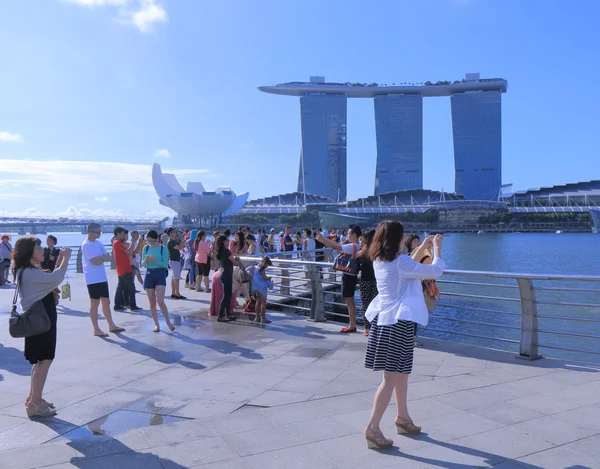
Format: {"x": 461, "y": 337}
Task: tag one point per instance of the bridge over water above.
{"x": 41, "y": 225}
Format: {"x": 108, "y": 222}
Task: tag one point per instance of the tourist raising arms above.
{"x": 176, "y": 245}
{"x": 393, "y": 315}
{"x": 35, "y": 285}
{"x": 125, "y": 293}
{"x": 348, "y": 281}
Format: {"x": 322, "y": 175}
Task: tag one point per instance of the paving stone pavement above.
{"x": 291, "y": 394}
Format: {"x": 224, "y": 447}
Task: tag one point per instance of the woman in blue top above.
{"x": 156, "y": 259}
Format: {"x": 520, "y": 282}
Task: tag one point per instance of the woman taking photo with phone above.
{"x": 394, "y": 314}
{"x": 349, "y": 282}
{"x": 34, "y": 285}
{"x": 155, "y": 257}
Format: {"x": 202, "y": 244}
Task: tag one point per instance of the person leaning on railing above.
{"x": 393, "y": 315}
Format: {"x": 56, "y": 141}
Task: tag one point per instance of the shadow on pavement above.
{"x": 13, "y": 361}
{"x": 155, "y": 353}
{"x": 116, "y": 455}
{"x": 490, "y": 458}
{"x": 221, "y": 346}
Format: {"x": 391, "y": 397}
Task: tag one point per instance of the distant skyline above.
{"x": 93, "y": 92}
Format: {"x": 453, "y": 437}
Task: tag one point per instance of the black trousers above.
{"x": 225, "y": 306}
{"x": 125, "y": 294}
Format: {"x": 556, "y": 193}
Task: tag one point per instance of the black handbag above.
{"x": 32, "y": 322}
{"x": 349, "y": 264}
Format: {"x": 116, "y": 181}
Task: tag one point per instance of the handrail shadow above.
{"x": 503, "y": 356}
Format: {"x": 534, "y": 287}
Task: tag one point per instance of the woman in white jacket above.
{"x": 394, "y": 314}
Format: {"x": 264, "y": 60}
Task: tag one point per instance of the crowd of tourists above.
{"x": 397, "y": 284}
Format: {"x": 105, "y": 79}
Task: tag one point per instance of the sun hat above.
{"x": 281, "y": 233}
{"x": 273, "y": 230}
{"x": 6, "y": 235}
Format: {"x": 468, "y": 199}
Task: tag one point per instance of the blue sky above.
{"x": 93, "y": 92}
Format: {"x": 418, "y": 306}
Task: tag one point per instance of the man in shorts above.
{"x": 94, "y": 256}
{"x": 176, "y": 247}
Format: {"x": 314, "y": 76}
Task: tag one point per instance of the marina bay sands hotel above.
{"x": 476, "y": 128}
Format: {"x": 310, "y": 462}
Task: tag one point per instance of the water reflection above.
{"x": 119, "y": 422}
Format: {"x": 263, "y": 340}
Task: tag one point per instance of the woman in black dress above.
{"x": 368, "y": 284}
{"x": 35, "y": 285}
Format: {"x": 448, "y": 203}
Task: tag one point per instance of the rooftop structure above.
{"x": 365, "y": 90}
{"x": 476, "y": 119}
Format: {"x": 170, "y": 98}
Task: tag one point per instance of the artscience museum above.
{"x": 195, "y": 204}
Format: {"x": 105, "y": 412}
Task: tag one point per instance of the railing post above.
{"x": 284, "y": 286}
{"x": 317, "y": 312}
{"x": 79, "y": 263}
{"x": 528, "y": 348}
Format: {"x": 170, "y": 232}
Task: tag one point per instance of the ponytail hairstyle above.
{"x": 221, "y": 246}
{"x": 264, "y": 263}
{"x": 199, "y": 237}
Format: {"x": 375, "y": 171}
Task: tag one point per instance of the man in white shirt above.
{"x": 94, "y": 256}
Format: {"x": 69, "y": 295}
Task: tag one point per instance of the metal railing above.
{"x": 526, "y": 313}
{"x": 76, "y": 261}
{"x": 558, "y": 315}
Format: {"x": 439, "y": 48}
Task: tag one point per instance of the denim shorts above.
{"x": 155, "y": 278}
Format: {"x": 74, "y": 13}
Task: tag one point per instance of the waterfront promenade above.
{"x": 293, "y": 394}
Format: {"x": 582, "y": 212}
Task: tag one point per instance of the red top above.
{"x": 122, "y": 258}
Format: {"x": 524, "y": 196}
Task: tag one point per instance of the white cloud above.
{"x": 101, "y": 199}
{"x": 87, "y": 212}
{"x": 161, "y": 153}
{"x": 149, "y": 14}
{"x": 8, "y": 137}
{"x": 143, "y": 14}
{"x": 84, "y": 177}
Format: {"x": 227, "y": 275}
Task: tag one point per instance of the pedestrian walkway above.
{"x": 292, "y": 394}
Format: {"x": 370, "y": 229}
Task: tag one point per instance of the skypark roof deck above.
{"x": 363, "y": 90}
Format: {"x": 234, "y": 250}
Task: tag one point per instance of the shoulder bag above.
{"x": 349, "y": 264}
{"x": 245, "y": 277}
{"x": 32, "y": 322}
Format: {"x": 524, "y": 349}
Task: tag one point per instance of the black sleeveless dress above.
{"x": 43, "y": 346}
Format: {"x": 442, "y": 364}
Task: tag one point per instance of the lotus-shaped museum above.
{"x": 195, "y": 202}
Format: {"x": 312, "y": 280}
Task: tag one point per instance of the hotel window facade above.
{"x": 399, "y": 127}
{"x": 323, "y": 157}
{"x": 477, "y": 132}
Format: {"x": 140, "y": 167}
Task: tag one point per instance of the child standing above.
{"x": 260, "y": 284}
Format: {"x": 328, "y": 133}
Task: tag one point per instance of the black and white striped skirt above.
{"x": 391, "y": 348}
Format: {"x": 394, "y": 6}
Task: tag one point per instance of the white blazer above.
{"x": 400, "y": 291}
